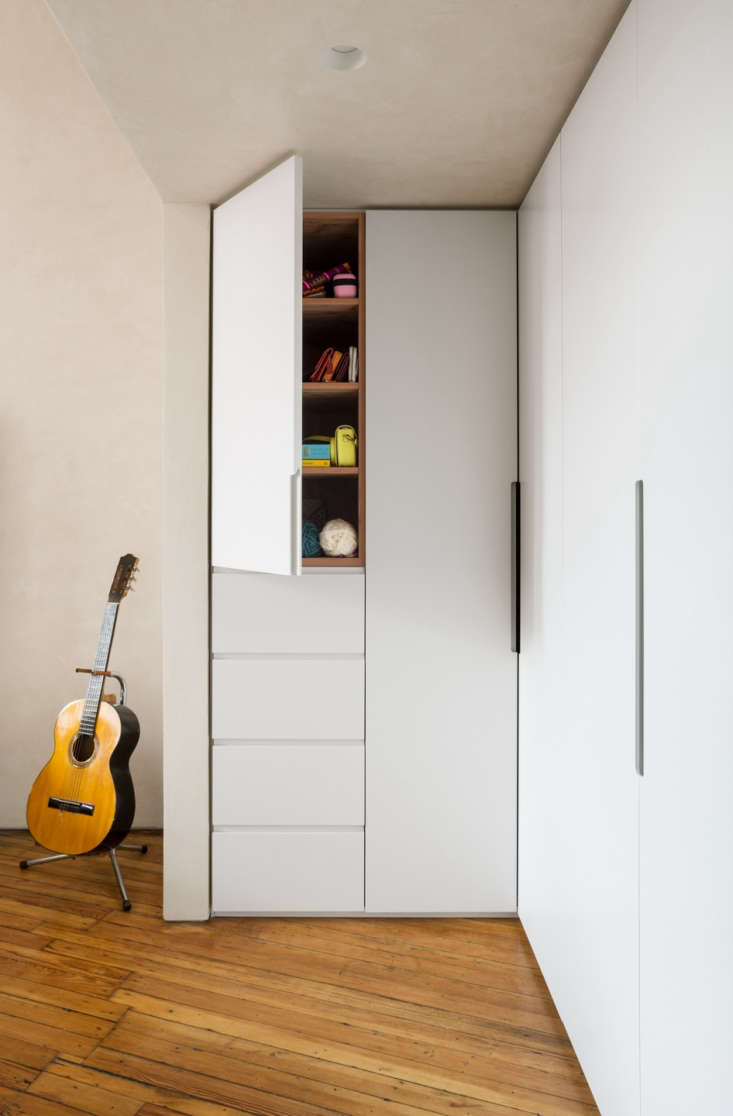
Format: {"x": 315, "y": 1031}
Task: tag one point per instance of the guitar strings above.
{"x": 92, "y": 702}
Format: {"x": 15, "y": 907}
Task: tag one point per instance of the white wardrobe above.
{"x": 626, "y": 702}
{"x": 364, "y": 714}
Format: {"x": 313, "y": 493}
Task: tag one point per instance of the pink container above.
{"x": 344, "y": 285}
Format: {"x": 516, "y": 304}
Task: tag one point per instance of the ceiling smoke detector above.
{"x": 342, "y": 57}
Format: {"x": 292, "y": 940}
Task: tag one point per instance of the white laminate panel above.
{"x": 263, "y": 613}
{"x": 287, "y": 870}
{"x": 686, "y": 365}
{"x": 580, "y": 890}
{"x": 441, "y": 676}
{"x": 288, "y": 784}
{"x": 544, "y": 769}
{"x": 256, "y": 374}
{"x": 293, "y": 698}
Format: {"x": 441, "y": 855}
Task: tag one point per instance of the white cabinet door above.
{"x": 546, "y": 886}
{"x": 441, "y": 677}
{"x": 595, "y": 975}
{"x": 579, "y": 437}
{"x": 256, "y": 375}
{"x": 686, "y": 362}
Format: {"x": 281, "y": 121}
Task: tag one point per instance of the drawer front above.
{"x": 288, "y": 699}
{"x": 288, "y": 784}
{"x": 287, "y": 870}
{"x": 260, "y": 613}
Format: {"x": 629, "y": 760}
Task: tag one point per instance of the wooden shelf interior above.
{"x": 322, "y": 333}
{"x": 316, "y": 472}
{"x": 333, "y": 563}
{"x": 323, "y": 413}
{"x": 331, "y": 239}
{"x": 329, "y": 308}
{"x": 330, "y": 391}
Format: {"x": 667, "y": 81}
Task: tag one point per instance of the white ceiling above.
{"x": 456, "y": 106}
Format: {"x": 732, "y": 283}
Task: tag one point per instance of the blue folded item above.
{"x": 316, "y": 451}
{"x": 311, "y": 543}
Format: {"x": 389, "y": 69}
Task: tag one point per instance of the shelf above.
{"x": 330, "y": 239}
{"x": 319, "y": 473}
{"x": 330, "y": 390}
{"x": 325, "y": 309}
{"x": 334, "y": 563}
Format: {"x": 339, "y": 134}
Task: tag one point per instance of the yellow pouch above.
{"x": 343, "y": 446}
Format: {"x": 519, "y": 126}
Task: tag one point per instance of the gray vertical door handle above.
{"x": 515, "y": 566}
{"x": 639, "y": 657}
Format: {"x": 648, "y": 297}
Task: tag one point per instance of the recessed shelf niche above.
{"x": 329, "y": 240}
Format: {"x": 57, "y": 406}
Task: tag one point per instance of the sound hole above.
{"x": 83, "y": 747}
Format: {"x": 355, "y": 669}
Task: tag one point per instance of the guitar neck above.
{"x": 101, "y": 659}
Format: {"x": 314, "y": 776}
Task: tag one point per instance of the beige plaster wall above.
{"x": 81, "y": 353}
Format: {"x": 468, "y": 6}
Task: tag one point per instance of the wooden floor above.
{"x": 121, "y": 1014}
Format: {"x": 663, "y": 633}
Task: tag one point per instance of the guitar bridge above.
{"x": 71, "y": 806}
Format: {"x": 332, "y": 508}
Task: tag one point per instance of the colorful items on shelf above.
{"x": 322, "y": 284}
{"x": 339, "y": 539}
{"x": 344, "y": 285}
{"x": 344, "y": 443}
{"x": 334, "y": 366}
{"x": 311, "y": 545}
{"x": 339, "y": 449}
{"x": 316, "y": 455}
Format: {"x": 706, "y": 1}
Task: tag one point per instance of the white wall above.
{"x": 81, "y": 345}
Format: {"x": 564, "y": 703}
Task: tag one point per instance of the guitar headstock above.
{"x": 124, "y": 576}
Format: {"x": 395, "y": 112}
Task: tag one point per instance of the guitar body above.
{"x": 77, "y": 804}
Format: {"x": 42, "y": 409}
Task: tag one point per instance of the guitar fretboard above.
{"x": 96, "y": 681}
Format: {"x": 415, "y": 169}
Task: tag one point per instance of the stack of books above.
{"x": 316, "y": 455}
{"x": 334, "y": 365}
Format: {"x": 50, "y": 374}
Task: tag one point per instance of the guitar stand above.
{"x": 112, "y": 853}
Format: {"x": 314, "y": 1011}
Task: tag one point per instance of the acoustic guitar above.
{"x": 83, "y": 799}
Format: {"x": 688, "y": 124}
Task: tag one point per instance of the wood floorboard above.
{"x": 392, "y": 984}
{"x": 14, "y": 1076}
{"x": 289, "y": 934}
{"x": 121, "y": 1014}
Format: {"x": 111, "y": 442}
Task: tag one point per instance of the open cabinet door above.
{"x": 256, "y": 375}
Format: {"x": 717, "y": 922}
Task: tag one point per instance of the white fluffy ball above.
{"x": 338, "y": 539}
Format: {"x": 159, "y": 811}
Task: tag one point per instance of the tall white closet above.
{"x": 364, "y": 717}
{"x": 579, "y": 445}
{"x": 626, "y": 351}
{"x": 441, "y": 678}
{"x": 686, "y": 374}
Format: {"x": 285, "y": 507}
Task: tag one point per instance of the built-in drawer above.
{"x": 288, "y": 784}
{"x": 287, "y": 870}
{"x": 275, "y": 698}
{"x": 263, "y": 613}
